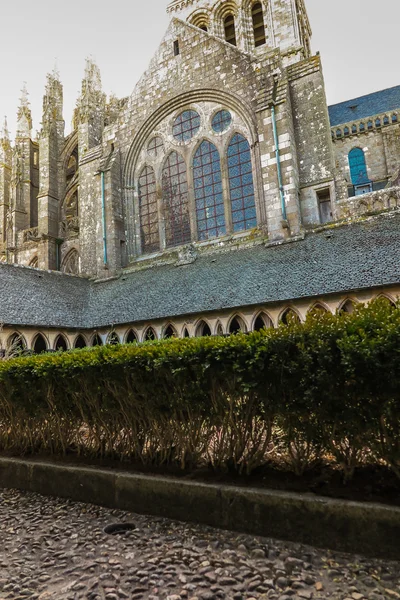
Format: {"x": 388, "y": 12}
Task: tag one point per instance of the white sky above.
{"x": 358, "y": 40}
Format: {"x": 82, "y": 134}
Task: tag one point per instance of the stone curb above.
{"x": 369, "y": 529}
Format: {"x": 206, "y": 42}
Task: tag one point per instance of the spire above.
{"x": 24, "y": 115}
{"x": 52, "y": 102}
{"x": 5, "y": 144}
{"x": 92, "y": 98}
{"x": 5, "y": 134}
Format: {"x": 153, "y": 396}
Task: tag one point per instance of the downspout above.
{"x": 103, "y": 219}
{"x": 278, "y": 157}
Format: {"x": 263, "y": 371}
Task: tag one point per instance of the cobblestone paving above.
{"x": 56, "y": 549}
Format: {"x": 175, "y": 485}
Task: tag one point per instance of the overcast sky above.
{"x": 358, "y": 40}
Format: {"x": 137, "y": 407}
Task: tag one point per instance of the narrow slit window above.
{"x": 258, "y": 24}
{"x": 230, "y": 30}
{"x": 176, "y": 48}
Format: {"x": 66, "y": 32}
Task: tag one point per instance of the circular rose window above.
{"x": 186, "y": 125}
{"x": 221, "y": 121}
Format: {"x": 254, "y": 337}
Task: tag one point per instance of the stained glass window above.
{"x": 221, "y": 121}
{"x": 155, "y": 147}
{"x": 241, "y": 184}
{"x": 148, "y": 210}
{"x": 207, "y": 181}
{"x": 186, "y": 125}
{"x": 258, "y": 24}
{"x": 175, "y": 198}
{"x": 358, "y": 167}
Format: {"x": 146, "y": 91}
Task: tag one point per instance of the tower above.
{"x": 90, "y": 118}
{"x": 253, "y": 26}
{"x": 50, "y": 145}
{"x": 5, "y": 181}
{"x": 23, "y": 185}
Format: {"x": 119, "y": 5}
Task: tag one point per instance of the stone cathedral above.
{"x": 223, "y": 194}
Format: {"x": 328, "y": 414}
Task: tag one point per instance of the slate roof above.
{"x": 334, "y": 260}
{"x": 42, "y": 298}
{"x": 365, "y": 106}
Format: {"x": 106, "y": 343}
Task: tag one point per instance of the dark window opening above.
{"x": 324, "y": 205}
{"x": 131, "y": 338}
{"x": 258, "y": 24}
{"x": 97, "y": 341}
{"x": 80, "y": 342}
{"x": 170, "y": 333}
{"x": 204, "y": 28}
{"x": 176, "y": 48}
{"x": 186, "y": 333}
{"x": 394, "y": 118}
{"x": 230, "y": 30}
{"x": 61, "y": 345}
{"x": 236, "y": 326}
{"x": 40, "y": 346}
{"x": 362, "y": 127}
{"x": 386, "y": 121}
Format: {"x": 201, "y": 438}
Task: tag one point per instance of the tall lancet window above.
{"x": 241, "y": 184}
{"x": 230, "y": 30}
{"x": 175, "y": 199}
{"x": 258, "y": 24}
{"x": 207, "y": 179}
{"x": 148, "y": 211}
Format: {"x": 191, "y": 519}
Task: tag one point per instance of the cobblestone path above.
{"x": 56, "y": 549}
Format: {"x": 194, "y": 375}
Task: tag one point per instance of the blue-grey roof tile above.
{"x": 351, "y": 257}
{"x": 365, "y": 106}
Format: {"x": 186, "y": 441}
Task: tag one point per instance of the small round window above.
{"x": 221, "y": 121}
{"x": 155, "y": 147}
{"x": 186, "y": 125}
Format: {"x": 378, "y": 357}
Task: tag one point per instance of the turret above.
{"x": 5, "y": 180}
{"x": 50, "y": 147}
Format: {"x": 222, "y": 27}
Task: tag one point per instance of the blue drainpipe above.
{"x": 103, "y": 218}
{"x": 278, "y": 163}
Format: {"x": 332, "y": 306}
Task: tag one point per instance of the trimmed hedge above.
{"x": 326, "y": 388}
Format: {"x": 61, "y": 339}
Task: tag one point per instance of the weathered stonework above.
{"x": 75, "y": 203}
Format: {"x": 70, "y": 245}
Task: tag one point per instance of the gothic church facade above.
{"x": 223, "y": 194}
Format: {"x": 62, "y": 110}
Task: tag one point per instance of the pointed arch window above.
{"x": 241, "y": 184}
{"x": 40, "y": 345}
{"x": 230, "y": 30}
{"x": 80, "y": 342}
{"x": 148, "y": 211}
{"x": 358, "y": 167}
{"x": 150, "y": 335}
{"x": 97, "y": 341}
{"x": 175, "y": 199}
{"x": 61, "y": 344}
{"x": 258, "y": 24}
{"x": 131, "y": 337}
{"x": 207, "y": 179}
